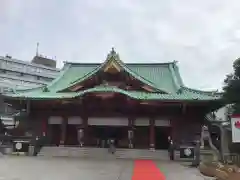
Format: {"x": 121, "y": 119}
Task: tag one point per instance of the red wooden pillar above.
{"x": 63, "y": 130}
{"x": 85, "y": 127}
{"x": 131, "y": 122}
{"x": 131, "y": 131}
{"x": 152, "y": 133}
{"x": 85, "y": 121}
{"x": 173, "y": 129}
{"x": 44, "y": 127}
{"x": 177, "y": 129}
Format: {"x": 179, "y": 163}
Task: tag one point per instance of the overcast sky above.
{"x": 203, "y": 36}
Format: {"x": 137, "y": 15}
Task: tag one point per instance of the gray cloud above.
{"x": 203, "y": 36}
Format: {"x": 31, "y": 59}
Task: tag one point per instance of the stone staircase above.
{"x": 142, "y": 154}
{"x": 84, "y": 152}
{"x": 103, "y": 153}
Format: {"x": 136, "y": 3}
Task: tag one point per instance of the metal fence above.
{"x": 231, "y": 159}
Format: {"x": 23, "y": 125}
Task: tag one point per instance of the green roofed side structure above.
{"x": 139, "y": 105}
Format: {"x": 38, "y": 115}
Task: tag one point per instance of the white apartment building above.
{"x": 18, "y": 74}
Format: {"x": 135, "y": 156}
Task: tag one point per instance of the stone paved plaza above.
{"x": 39, "y": 168}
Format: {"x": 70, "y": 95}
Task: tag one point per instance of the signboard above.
{"x": 186, "y": 152}
{"x": 21, "y": 146}
{"x": 235, "y": 123}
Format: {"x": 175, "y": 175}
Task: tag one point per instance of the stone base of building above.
{"x": 90, "y": 152}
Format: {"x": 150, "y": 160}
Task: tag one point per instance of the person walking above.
{"x": 80, "y": 136}
{"x": 112, "y": 148}
{"x": 170, "y": 148}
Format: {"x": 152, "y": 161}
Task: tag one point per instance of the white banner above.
{"x": 55, "y": 120}
{"x": 162, "y": 122}
{"x": 141, "y": 122}
{"x": 235, "y": 122}
{"x": 114, "y": 121}
{"x": 74, "y": 120}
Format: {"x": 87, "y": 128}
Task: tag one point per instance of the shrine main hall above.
{"x": 139, "y": 105}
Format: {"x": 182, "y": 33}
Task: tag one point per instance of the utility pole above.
{"x": 37, "y": 49}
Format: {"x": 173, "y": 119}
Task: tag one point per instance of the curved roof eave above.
{"x": 106, "y": 89}
{"x": 209, "y": 93}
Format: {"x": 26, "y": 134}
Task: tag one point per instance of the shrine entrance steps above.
{"x": 142, "y": 154}
{"x": 90, "y": 152}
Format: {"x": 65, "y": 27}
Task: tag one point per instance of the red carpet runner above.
{"x": 146, "y": 170}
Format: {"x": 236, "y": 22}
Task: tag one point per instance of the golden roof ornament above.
{"x": 113, "y": 51}
{"x": 113, "y": 55}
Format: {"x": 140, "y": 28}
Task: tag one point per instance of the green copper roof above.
{"x": 142, "y": 72}
{"x": 163, "y": 77}
{"x": 157, "y": 75}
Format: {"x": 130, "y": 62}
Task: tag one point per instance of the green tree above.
{"x": 232, "y": 87}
